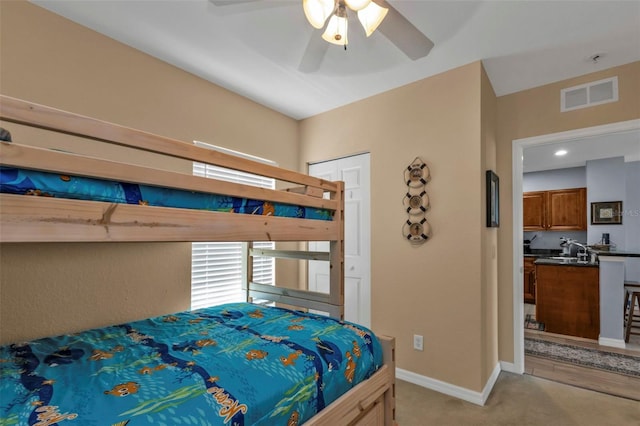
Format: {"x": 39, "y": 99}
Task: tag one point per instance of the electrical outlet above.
{"x": 417, "y": 342}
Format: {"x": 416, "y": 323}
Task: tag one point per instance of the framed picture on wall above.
{"x": 493, "y": 200}
{"x": 606, "y": 213}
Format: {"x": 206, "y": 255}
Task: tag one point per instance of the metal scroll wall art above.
{"x": 416, "y": 202}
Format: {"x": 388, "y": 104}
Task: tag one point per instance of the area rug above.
{"x": 593, "y": 358}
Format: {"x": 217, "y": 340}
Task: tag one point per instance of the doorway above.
{"x": 355, "y": 172}
{"x": 518, "y": 147}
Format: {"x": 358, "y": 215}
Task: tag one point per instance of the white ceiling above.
{"x": 254, "y": 48}
{"x": 579, "y": 151}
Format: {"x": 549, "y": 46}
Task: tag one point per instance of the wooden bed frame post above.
{"x": 389, "y": 354}
{"x": 336, "y": 262}
{"x": 247, "y": 268}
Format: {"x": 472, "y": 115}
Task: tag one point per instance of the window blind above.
{"x": 216, "y": 267}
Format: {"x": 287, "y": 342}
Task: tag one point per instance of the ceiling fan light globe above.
{"x": 371, "y": 17}
{"x": 357, "y": 4}
{"x": 317, "y": 11}
{"x": 336, "y": 32}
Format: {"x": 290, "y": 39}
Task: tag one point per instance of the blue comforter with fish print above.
{"x": 234, "y": 364}
{"x": 47, "y": 184}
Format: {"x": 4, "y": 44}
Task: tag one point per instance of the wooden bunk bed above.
{"x": 41, "y": 219}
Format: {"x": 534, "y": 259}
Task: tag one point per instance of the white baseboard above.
{"x": 510, "y": 367}
{"x": 488, "y": 387}
{"x": 615, "y": 343}
{"x": 478, "y": 398}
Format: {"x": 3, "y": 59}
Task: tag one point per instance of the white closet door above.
{"x": 355, "y": 172}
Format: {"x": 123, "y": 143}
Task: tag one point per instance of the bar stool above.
{"x": 631, "y": 298}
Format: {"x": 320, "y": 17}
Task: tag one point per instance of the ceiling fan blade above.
{"x": 231, "y": 7}
{"x": 228, "y": 2}
{"x": 404, "y": 34}
{"x": 314, "y": 53}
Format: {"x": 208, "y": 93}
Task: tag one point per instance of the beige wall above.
{"x": 434, "y": 289}
{"x": 54, "y": 288}
{"x": 489, "y": 250}
{"x": 536, "y": 112}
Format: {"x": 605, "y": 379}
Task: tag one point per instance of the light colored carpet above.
{"x": 517, "y": 400}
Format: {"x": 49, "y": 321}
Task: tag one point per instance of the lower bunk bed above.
{"x": 233, "y": 364}
{"x": 229, "y": 365}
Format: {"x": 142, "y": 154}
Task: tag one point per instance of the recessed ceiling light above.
{"x": 561, "y": 152}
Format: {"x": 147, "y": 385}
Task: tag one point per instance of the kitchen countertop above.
{"x": 543, "y": 257}
{"x": 555, "y": 253}
{"x": 542, "y": 253}
{"x": 567, "y": 261}
{"x": 546, "y": 257}
{"x": 616, "y": 253}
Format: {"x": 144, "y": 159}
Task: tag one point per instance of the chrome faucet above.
{"x": 582, "y": 256}
{"x": 585, "y": 255}
{"x": 582, "y": 246}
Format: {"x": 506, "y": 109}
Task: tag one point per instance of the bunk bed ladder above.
{"x": 295, "y": 297}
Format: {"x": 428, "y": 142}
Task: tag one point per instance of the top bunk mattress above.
{"x": 32, "y": 182}
{"x": 234, "y": 364}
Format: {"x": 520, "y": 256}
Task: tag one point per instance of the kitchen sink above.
{"x": 565, "y": 259}
{"x": 561, "y": 259}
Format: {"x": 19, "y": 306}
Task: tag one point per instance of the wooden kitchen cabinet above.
{"x": 529, "y": 280}
{"x": 567, "y": 209}
{"x": 533, "y": 210}
{"x": 557, "y": 210}
{"x": 568, "y": 300}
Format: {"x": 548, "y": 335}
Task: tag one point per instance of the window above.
{"x": 216, "y": 268}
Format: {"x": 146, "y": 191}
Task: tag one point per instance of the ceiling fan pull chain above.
{"x": 344, "y": 8}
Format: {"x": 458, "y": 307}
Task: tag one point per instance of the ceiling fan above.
{"x": 331, "y": 16}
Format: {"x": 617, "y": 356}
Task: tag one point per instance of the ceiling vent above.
{"x": 590, "y": 94}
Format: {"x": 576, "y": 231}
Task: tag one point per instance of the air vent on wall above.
{"x": 590, "y": 94}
